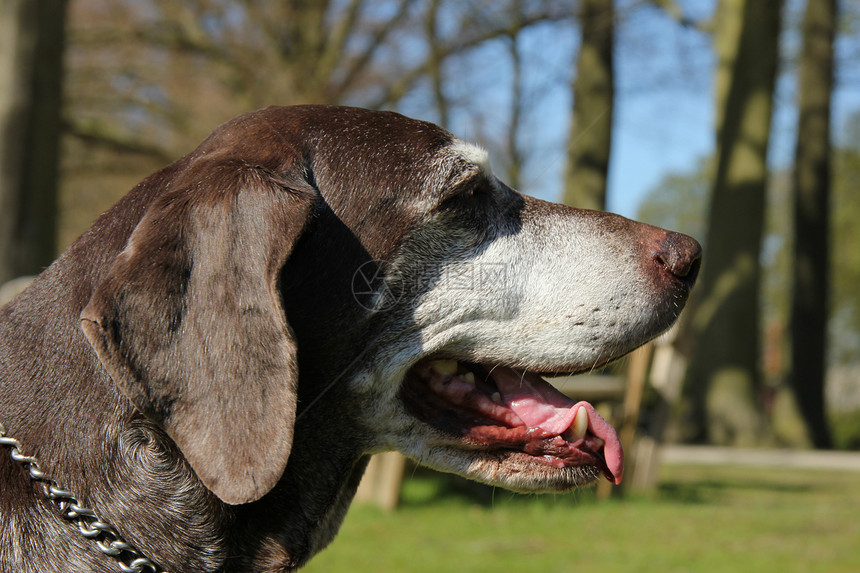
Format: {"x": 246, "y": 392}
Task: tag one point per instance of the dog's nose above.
{"x": 680, "y": 255}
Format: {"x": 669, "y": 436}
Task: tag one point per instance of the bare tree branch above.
{"x": 674, "y": 10}
{"x": 98, "y": 134}
{"x": 516, "y": 160}
{"x": 460, "y": 44}
{"x": 359, "y": 64}
{"x": 435, "y": 62}
{"x": 338, "y": 37}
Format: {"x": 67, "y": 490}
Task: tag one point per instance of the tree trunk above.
{"x": 593, "y": 93}
{"x": 31, "y": 48}
{"x": 516, "y": 157}
{"x": 811, "y": 187}
{"x": 435, "y": 63}
{"x": 724, "y": 376}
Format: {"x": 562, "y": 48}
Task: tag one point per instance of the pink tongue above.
{"x": 539, "y": 405}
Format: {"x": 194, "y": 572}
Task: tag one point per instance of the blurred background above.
{"x": 735, "y": 121}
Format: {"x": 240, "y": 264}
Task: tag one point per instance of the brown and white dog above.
{"x": 210, "y": 365}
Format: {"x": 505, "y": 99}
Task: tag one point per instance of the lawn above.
{"x": 702, "y": 519}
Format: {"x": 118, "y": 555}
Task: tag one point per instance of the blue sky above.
{"x": 664, "y": 118}
{"x": 664, "y": 98}
{"x": 663, "y": 107}
{"x": 660, "y": 131}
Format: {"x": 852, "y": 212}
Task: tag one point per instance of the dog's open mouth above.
{"x": 508, "y": 410}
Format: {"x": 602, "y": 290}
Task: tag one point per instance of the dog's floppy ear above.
{"x": 189, "y": 323}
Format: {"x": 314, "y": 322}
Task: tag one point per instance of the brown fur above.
{"x": 189, "y": 366}
{"x": 178, "y": 289}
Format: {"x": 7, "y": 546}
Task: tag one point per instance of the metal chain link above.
{"x": 90, "y": 525}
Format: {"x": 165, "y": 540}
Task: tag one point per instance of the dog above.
{"x": 210, "y": 365}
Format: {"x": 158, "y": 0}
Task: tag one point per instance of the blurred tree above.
{"x": 164, "y": 71}
{"x": 680, "y": 201}
{"x": 844, "y": 346}
{"x": 811, "y": 186}
{"x": 32, "y": 36}
{"x": 151, "y": 78}
{"x": 590, "y": 138}
{"x": 436, "y": 62}
{"x": 724, "y": 380}
{"x": 517, "y": 108}
{"x": 155, "y": 76}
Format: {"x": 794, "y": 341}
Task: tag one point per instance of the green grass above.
{"x": 702, "y": 519}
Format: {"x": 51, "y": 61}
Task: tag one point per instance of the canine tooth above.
{"x": 496, "y": 397}
{"x": 445, "y": 367}
{"x": 468, "y": 377}
{"x": 580, "y": 424}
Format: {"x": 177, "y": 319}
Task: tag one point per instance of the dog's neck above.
{"x": 290, "y": 527}
{"x": 302, "y": 514}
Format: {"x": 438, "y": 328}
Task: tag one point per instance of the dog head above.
{"x": 318, "y": 263}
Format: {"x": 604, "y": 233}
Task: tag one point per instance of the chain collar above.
{"x": 90, "y": 525}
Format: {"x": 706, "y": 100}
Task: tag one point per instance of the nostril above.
{"x": 680, "y": 255}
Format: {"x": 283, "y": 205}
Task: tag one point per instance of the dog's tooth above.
{"x": 580, "y": 424}
{"x": 444, "y": 367}
{"x": 468, "y": 377}
{"x": 497, "y": 398}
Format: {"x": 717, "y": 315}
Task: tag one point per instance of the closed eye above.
{"x": 472, "y": 195}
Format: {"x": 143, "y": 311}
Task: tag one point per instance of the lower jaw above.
{"x": 511, "y": 468}
{"x": 551, "y": 452}
{"x": 518, "y": 457}
{"x": 521, "y": 472}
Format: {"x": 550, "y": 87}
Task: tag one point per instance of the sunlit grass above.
{"x": 700, "y": 520}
